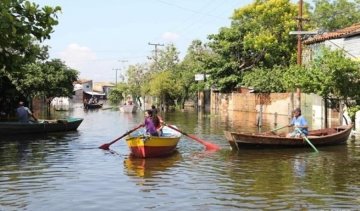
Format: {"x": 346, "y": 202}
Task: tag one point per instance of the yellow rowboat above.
{"x": 144, "y": 146}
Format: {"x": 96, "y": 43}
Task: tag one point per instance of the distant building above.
{"x": 103, "y": 87}
{"x": 84, "y": 89}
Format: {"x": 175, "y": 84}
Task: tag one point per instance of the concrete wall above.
{"x": 272, "y": 109}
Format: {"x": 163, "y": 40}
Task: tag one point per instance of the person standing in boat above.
{"x": 23, "y": 113}
{"x": 298, "y": 121}
{"x": 150, "y": 123}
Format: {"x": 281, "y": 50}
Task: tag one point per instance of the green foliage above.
{"x": 352, "y": 111}
{"x": 258, "y": 37}
{"x": 330, "y": 74}
{"x": 198, "y": 60}
{"x": 50, "y": 79}
{"x": 117, "y": 94}
{"x": 340, "y": 74}
{"x": 337, "y": 14}
{"x": 265, "y": 80}
{"x": 166, "y": 59}
{"x": 23, "y": 26}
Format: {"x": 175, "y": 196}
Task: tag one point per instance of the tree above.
{"x": 136, "y": 81}
{"x": 331, "y": 75}
{"x": 49, "y": 79}
{"x": 337, "y": 14}
{"x": 258, "y": 37}
{"x": 23, "y": 26}
{"x": 161, "y": 77}
{"x": 198, "y": 60}
{"x": 116, "y": 95}
{"x": 265, "y": 80}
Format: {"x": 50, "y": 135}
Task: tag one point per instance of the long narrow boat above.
{"x": 41, "y": 126}
{"x": 143, "y": 146}
{"x": 321, "y": 137}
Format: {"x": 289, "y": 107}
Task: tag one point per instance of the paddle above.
{"x": 306, "y": 139}
{"x": 273, "y": 130}
{"x": 106, "y": 146}
{"x": 209, "y": 146}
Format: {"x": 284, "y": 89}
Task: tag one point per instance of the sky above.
{"x": 101, "y": 39}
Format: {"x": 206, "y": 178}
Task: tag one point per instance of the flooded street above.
{"x": 67, "y": 171}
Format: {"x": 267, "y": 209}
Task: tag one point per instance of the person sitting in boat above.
{"x": 157, "y": 120}
{"x": 149, "y": 123}
{"x": 298, "y": 121}
{"x": 23, "y": 113}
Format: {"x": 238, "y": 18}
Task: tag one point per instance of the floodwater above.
{"x": 67, "y": 171}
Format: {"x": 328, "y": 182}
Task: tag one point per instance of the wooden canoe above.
{"x": 321, "y": 137}
{"x": 41, "y": 126}
{"x": 143, "y": 146}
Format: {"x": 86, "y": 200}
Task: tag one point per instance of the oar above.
{"x": 209, "y": 146}
{"x": 273, "y": 130}
{"x": 307, "y": 140}
{"x": 106, "y": 146}
{"x": 278, "y": 128}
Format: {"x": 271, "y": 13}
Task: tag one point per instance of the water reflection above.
{"x": 68, "y": 171}
{"x": 150, "y": 167}
{"x": 28, "y": 163}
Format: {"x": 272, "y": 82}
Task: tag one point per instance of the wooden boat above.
{"x": 128, "y": 108}
{"x": 41, "y": 126}
{"x": 321, "y": 137}
{"x": 92, "y": 105}
{"x": 143, "y": 146}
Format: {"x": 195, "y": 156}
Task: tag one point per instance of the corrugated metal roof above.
{"x": 345, "y": 32}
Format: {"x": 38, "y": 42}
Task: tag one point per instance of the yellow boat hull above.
{"x": 152, "y": 146}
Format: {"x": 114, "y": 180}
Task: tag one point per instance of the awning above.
{"x": 95, "y": 93}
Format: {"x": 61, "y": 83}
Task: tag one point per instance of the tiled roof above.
{"x": 345, "y": 32}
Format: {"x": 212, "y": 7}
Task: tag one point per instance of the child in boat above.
{"x": 150, "y": 123}
{"x": 157, "y": 120}
{"x": 298, "y": 121}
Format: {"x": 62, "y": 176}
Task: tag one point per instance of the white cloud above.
{"x": 77, "y": 56}
{"x": 170, "y": 36}
{"x": 85, "y": 60}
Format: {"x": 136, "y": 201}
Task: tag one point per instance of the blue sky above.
{"x": 95, "y": 36}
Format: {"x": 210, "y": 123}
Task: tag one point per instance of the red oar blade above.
{"x": 208, "y": 146}
{"x": 104, "y": 147}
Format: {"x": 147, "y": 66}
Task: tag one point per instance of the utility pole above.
{"x": 299, "y": 49}
{"x": 156, "y": 63}
{"x": 122, "y": 66}
{"x": 156, "y": 49}
{"x": 116, "y": 69}
{"x": 300, "y": 27}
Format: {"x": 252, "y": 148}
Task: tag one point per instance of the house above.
{"x": 103, "y": 87}
{"x": 346, "y": 39}
{"x": 84, "y": 89}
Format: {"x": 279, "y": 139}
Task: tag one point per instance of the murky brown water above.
{"x": 68, "y": 171}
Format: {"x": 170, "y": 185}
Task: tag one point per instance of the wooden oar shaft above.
{"x": 278, "y": 128}
{"x": 106, "y": 146}
{"x": 209, "y": 146}
{"x": 307, "y": 140}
